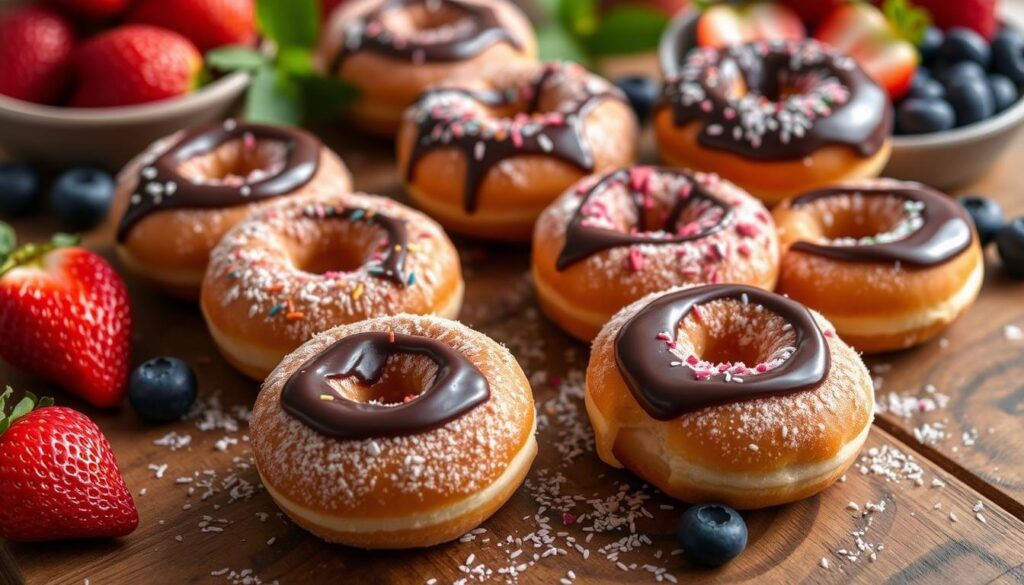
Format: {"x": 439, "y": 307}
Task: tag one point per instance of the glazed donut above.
{"x": 890, "y": 263}
{"x": 727, "y": 393}
{"x": 395, "y": 432}
{"x": 776, "y": 118}
{"x": 306, "y": 264}
{"x": 486, "y": 152}
{"x": 391, "y": 50}
{"x": 613, "y": 239}
{"x": 175, "y": 201}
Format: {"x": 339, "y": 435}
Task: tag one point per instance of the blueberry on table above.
{"x": 162, "y": 389}
{"x": 1008, "y": 55}
{"x": 19, "y": 187}
{"x": 712, "y": 534}
{"x": 930, "y": 43}
{"x": 963, "y": 44}
{"x": 641, "y": 91}
{"x": 1010, "y": 242}
{"x": 81, "y": 197}
{"x": 924, "y": 116}
{"x": 1004, "y": 91}
{"x": 986, "y": 214}
{"x": 971, "y": 100}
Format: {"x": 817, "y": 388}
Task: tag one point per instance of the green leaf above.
{"x": 556, "y": 44}
{"x": 272, "y": 100}
{"x": 578, "y": 17}
{"x": 235, "y": 58}
{"x": 289, "y": 23}
{"x": 295, "y": 61}
{"x": 909, "y": 21}
{"x": 628, "y": 29}
{"x": 23, "y": 407}
{"x": 62, "y": 240}
{"x": 323, "y": 97}
{"x": 8, "y": 241}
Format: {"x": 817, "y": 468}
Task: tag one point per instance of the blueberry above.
{"x": 712, "y": 534}
{"x": 642, "y": 92}
{"x": 1008, "y": 55}
{"x": 924, "y": 86}
{"x": 930, "y": 43}
{"x": 958, "y": 72}
{"x": 963, "y": 44}
{"x": 19, "y": 186}
{"x": 1004, "y": 91}
{"x": 972, "y": 100}
{"x": 162, "y": 389}
{"x": 923, "y": 116}
{"x": 81, "y": 197}
{"x": 986, "y": 213}
{"x": 1010, "y": 241}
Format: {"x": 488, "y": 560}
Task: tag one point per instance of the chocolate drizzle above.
{"x": 665, "y": 391}
{"x": 582, "y": 241}
{"x": 447, "y": 118}
{"x": 396, "y": 244}
{"x": 482, "y": 31}
{"x": 161, "y": 186}
{"x": 944, "y": 230}
{"x": 741, "y": 95}
{"x": 309, "y": 396}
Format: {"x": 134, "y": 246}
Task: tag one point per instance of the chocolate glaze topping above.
{"x": 446, "y": 119}
{"x": 480, "y": 30}
{"x": 665, "y": 391}
{"x": 308, "y": 395}
{"x": 161, "y": 187}
{"x": 391, "y": 263}
{"x": 937, "y": 228}
{"x": 582, "y": 240}
{"x": 835, "y": 102}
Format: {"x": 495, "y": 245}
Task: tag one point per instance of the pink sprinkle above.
{"x": 554, "y": 381}
{"x": 692, "y": 360}
{"x": 828, "y": 333}
{"x": 568, "y": 518}
{"x": 702, "y": 374}
{"x": 636, "y": 260}
{"x": 639, "y": 177}
{"x": 747, "y": 230}
{"x": 762, "y": 368}
{"x": 249, "y": 141}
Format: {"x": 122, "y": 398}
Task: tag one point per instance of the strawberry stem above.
{"x": 910, "y": 22}
{"x": 24, "y": 406}
{"x": 29, "y": 254}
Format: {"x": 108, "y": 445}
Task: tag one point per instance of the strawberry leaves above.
{"x": 580, "y": 30}
{"x": 27, "y": 404}
{"x": 11, "y": 256}
{"x": 909, "y": 21}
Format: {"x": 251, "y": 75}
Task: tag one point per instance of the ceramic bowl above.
{"x": 946, "y": 160}
{"x": 57, "y": 136}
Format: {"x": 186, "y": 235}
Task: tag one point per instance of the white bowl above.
{"x": 945, "y": 160}
{"x": 108, "y": 137}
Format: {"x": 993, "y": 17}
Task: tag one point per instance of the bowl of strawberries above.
{"x": 953, "y": 70}
{"x": 98, "y": 80}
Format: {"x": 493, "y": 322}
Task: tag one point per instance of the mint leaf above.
{"x": 273, "y": 99}
{"x": 323, "y": 97}
{"x": 8, "y": 241}
{"x": 295, "y": 60}
{"x": 234, "y": 58}
{"x": 628, "y": 29}
{"x": 289, "y": 23}
{"x": 555, "y": 43}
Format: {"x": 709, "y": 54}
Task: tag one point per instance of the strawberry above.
{"x": 811, "y": 12}
{"x": 35, "y": 54}
{"x": 978, "y": 15}
{"x": 884, "y": 44}
{"x": 94, "y": 9}
{"x": 58, "y": 476}
{"x": 207, "y": 23}
{"x": 64, "y": 316}
{"x": 135, "y": 64}
{"x": 724, "y": 24}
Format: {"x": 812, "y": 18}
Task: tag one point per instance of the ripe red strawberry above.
{"x": 881, "y": 46}
{"x": 35, "y": 54}
{"x": 94, "y": 9}
{"x": 812, "y": 11}
{"x": 979, "y": 15}
{"x": 135, "y": 64}
{"x": 207, "y": 23}
{"x": 58, "y": 476}
{"x": 725, "y": 24}
{"x": 64, "y": 316}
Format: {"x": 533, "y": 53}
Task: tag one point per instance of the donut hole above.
{"x": 236, "y": 162}
{"x": 427, "y": 21}
{"x": 775, "y": 82}
{"x": 340, "y": 246}
{"x": 854, "y": 217}
{"x": 728, "y": 334}
{"x": 658, "y": 211}
{"x": 404, "y": 378}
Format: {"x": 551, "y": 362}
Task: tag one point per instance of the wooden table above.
{"x": 938, "y": 495}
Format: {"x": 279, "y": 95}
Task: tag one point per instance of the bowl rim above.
{"x": 225, "y": 87}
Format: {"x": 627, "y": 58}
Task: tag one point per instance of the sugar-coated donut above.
{"x": 175, "y": 201}
{"x": 890, "y": 263}
{"x": 615, "y": 238}
{"x": 484, "y": 153}
{"x": 395, "y": 432}
{"x": 727, "y": 393}
{"x": 391, "y": 50}
{"x": 306, "y": 264}
{"x": 776, "y": 118}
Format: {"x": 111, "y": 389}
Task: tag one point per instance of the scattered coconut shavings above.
{"x": 174, "y": 441}
{"x": 1012, "y": 333}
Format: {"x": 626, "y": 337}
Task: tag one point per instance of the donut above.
{"x": 776, "y": 118}
{"x": 727, "y": 393}
{"x": 397, "y": 432}
{"x": 614, "y": 238}
{"x": 175, "y": 201}
{"x": 890, "y": 263}
{"x": 308, "y": 263}
{"x": 391, "y": 50}
{"x": 484, "y": 153}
